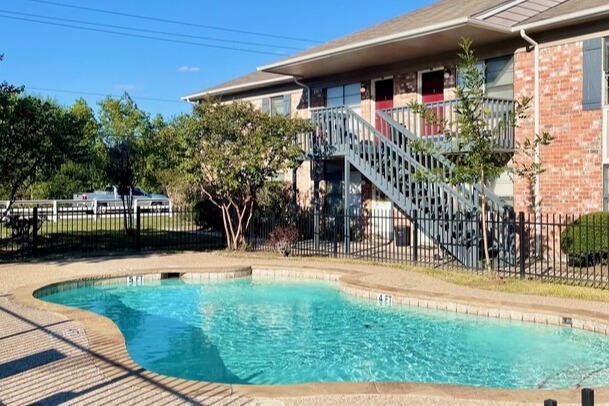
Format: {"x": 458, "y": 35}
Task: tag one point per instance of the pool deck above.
{"x": 50, "y": 354}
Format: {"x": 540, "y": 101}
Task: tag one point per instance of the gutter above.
{"x": 537, "y": 157}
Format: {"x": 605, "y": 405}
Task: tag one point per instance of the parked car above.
{"x": 110, "y": 198}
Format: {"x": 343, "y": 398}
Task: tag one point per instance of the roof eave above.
{"x": 364, "y": 44}
{"x": 563, "y": 19}
{"x": 238, "y": 88}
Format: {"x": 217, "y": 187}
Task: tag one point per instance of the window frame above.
{"x": 344, "y": 95}
{"x": 272, "y": 107}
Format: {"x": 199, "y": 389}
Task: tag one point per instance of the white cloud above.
{"x": 128, "y": 87}
{"x": 189, "y": 69}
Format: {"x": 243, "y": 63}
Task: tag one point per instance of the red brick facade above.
{"x": 572, "y": 181}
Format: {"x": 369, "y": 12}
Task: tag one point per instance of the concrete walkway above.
{"x": 46, "y": 358}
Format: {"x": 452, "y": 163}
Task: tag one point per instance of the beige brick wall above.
{"x": 572, "y": 183}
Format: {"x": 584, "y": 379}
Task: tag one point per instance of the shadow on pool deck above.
{"x": 130, "y": 375}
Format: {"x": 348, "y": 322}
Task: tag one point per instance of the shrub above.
{"x": 586, "y": 240}
{"x": 282, "y": 239}
{"x": 274, "y": 201}
{"x": 207, "y": 215}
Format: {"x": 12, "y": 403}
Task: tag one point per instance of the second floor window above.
{"x": 498, "y": 77}
{"x": 348, "y": 95}
{"x": 277, "y": 105}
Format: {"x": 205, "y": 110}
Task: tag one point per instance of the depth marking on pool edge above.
{"x": 384, "y": 300}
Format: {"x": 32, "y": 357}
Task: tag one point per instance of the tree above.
{"x": 474, "y": 145}
{"x": 174, "y": 168}
{"x": 36, "y": 137}
{"x": 121, "y": 170}
{"x": 233, "y": 150}
{"x": 85, "y": 170}
{"x": 123, "y": 127}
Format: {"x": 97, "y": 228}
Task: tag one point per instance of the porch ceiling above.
{"x": 409, "y": 46}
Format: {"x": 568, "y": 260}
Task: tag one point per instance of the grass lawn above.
{"x": 515, "y": 285}
{"x": 476, "y": 281}
{"x": 107, "y": 233}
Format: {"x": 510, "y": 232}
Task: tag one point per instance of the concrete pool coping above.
{"x": 107, "y": 344}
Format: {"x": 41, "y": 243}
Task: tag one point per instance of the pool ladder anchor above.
{"x": 384, "y": 300}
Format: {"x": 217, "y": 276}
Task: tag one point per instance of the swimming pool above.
{"x": 253, "y": 331}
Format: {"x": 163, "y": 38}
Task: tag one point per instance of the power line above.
{"x": 143, "y": 36}
{"x": 149, "y": 31}
{"x": 164, "y": 20}
{"x": 44, "y": 89}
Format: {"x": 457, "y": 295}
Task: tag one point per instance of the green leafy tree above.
{"x": 156, "y": 155}
{"x": 122, "y": 168}
{"x": 36, "y": 137}
{"x": 123, "y": 127}
{"x": 174, "y": 168}
{"x": 473, "y": 150}
{"x": 234, "y": 149}
{"x": 85, "y": 171}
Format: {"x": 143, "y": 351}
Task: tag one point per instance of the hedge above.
{"x": 586, "y": 240}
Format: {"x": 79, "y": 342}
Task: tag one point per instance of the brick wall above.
{"x": 572, "y": 183}
{"x": 404, "y": 89}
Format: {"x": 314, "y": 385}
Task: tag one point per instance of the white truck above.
{"x": 103, "y": 201}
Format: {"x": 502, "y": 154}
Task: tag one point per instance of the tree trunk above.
{"x": 228, "y": 231}
{"x": 487, "y": 259}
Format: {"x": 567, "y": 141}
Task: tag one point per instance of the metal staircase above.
{"x": 446, "y": 214}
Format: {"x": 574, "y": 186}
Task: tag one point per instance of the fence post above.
{"x": 415, "y": 236}
{"x": 55, "y": 211}
{"x": 35, "y": 232}
{"x": 550, "y": 402}
{"x": 587, "y": 397}
{"x": 521, "y": 244}
{"x": 138, "y": 230}
{"x": 335, "y": 236}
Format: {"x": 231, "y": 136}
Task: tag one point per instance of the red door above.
{"x": 432, "y": 91}
{"x": 383, "y": 99}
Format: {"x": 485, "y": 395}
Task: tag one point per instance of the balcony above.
{"x": 497, "y": 114}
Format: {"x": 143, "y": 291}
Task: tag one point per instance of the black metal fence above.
{"x": 553, "y": 248}
{"x": 27, "y": 232}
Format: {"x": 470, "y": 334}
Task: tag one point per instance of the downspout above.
{"x": 307, "y": 88}
{"x": 537, "y": 158}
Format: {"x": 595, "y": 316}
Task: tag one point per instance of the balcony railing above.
{"x": 496, "y": 117}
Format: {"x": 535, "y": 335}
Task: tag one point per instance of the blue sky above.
{"x": 42, "y": 56}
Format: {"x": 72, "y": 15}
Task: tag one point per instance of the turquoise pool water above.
{"x": 264, "y": 332}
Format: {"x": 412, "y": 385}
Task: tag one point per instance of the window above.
{"x": 348, "y": 95}
{"x": 498, "y": 77}
{"x": 499, "y": 81}
{"x": 277, "y": 105}
{"x": 479, "y": 66}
